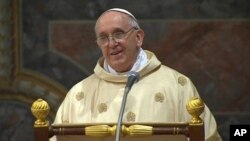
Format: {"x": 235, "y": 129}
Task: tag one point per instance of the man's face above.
{"x": 120, "y": 54}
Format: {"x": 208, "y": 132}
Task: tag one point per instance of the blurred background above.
{"x": 46, "y": 46}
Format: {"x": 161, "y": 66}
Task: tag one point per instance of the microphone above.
{"x": 132, "y": 78}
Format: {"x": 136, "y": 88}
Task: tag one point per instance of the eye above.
{"x": 118, "y": 35}
{"x": 102, "y": 40}
{"x": 102, "y": 37}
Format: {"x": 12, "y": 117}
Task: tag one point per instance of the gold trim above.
{"x": 139, "y": 130}
{"x": 99, "y": 130}
{"x": 105, "y": 130}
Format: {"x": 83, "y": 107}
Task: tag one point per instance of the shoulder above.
{"x": 174, "y": 74}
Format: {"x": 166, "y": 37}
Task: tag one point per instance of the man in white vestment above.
{"x": 160, "y": 95}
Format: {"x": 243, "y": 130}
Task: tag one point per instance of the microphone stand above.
{"x": 118, "y": 128}
{"x": 133, "y": 76}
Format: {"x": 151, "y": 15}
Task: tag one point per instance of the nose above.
{"x": 111, "y": 41}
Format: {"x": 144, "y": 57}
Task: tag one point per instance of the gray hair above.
{"x": 133, "y": 22}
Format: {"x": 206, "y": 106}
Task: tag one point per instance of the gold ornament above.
{"x": 40, "y": 109}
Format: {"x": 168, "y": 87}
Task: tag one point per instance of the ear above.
{"x": 139, "y": 37}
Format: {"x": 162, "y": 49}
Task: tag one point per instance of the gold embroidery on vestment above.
{"x": 182, "y": 80}
{"x": 79, "y": 96}
{"x": 130, "y": 117}
{"x": 102, "y": 107}
{"x": 159, "y": 97}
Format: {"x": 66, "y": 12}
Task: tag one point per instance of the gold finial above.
{"x": 195, "y": 107}
{"x": 40, "y": 109}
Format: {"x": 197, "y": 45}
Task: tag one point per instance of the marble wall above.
{"x": 207, "y": 40}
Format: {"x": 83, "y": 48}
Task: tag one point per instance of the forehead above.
{"x": 110, "y": 20}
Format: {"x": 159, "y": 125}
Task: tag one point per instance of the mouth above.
{"x": 116, "y": 52}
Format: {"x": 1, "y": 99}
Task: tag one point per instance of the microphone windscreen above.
{"x": 134, "y": 74}
{"x": 132, "y": 78}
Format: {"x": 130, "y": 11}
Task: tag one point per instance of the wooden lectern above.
{"x": 192, "y": 130}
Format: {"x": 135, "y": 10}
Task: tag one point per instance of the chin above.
{"x": 120, "y": 67}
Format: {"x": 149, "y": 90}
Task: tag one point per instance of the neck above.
{"x": 139, "y": 63}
